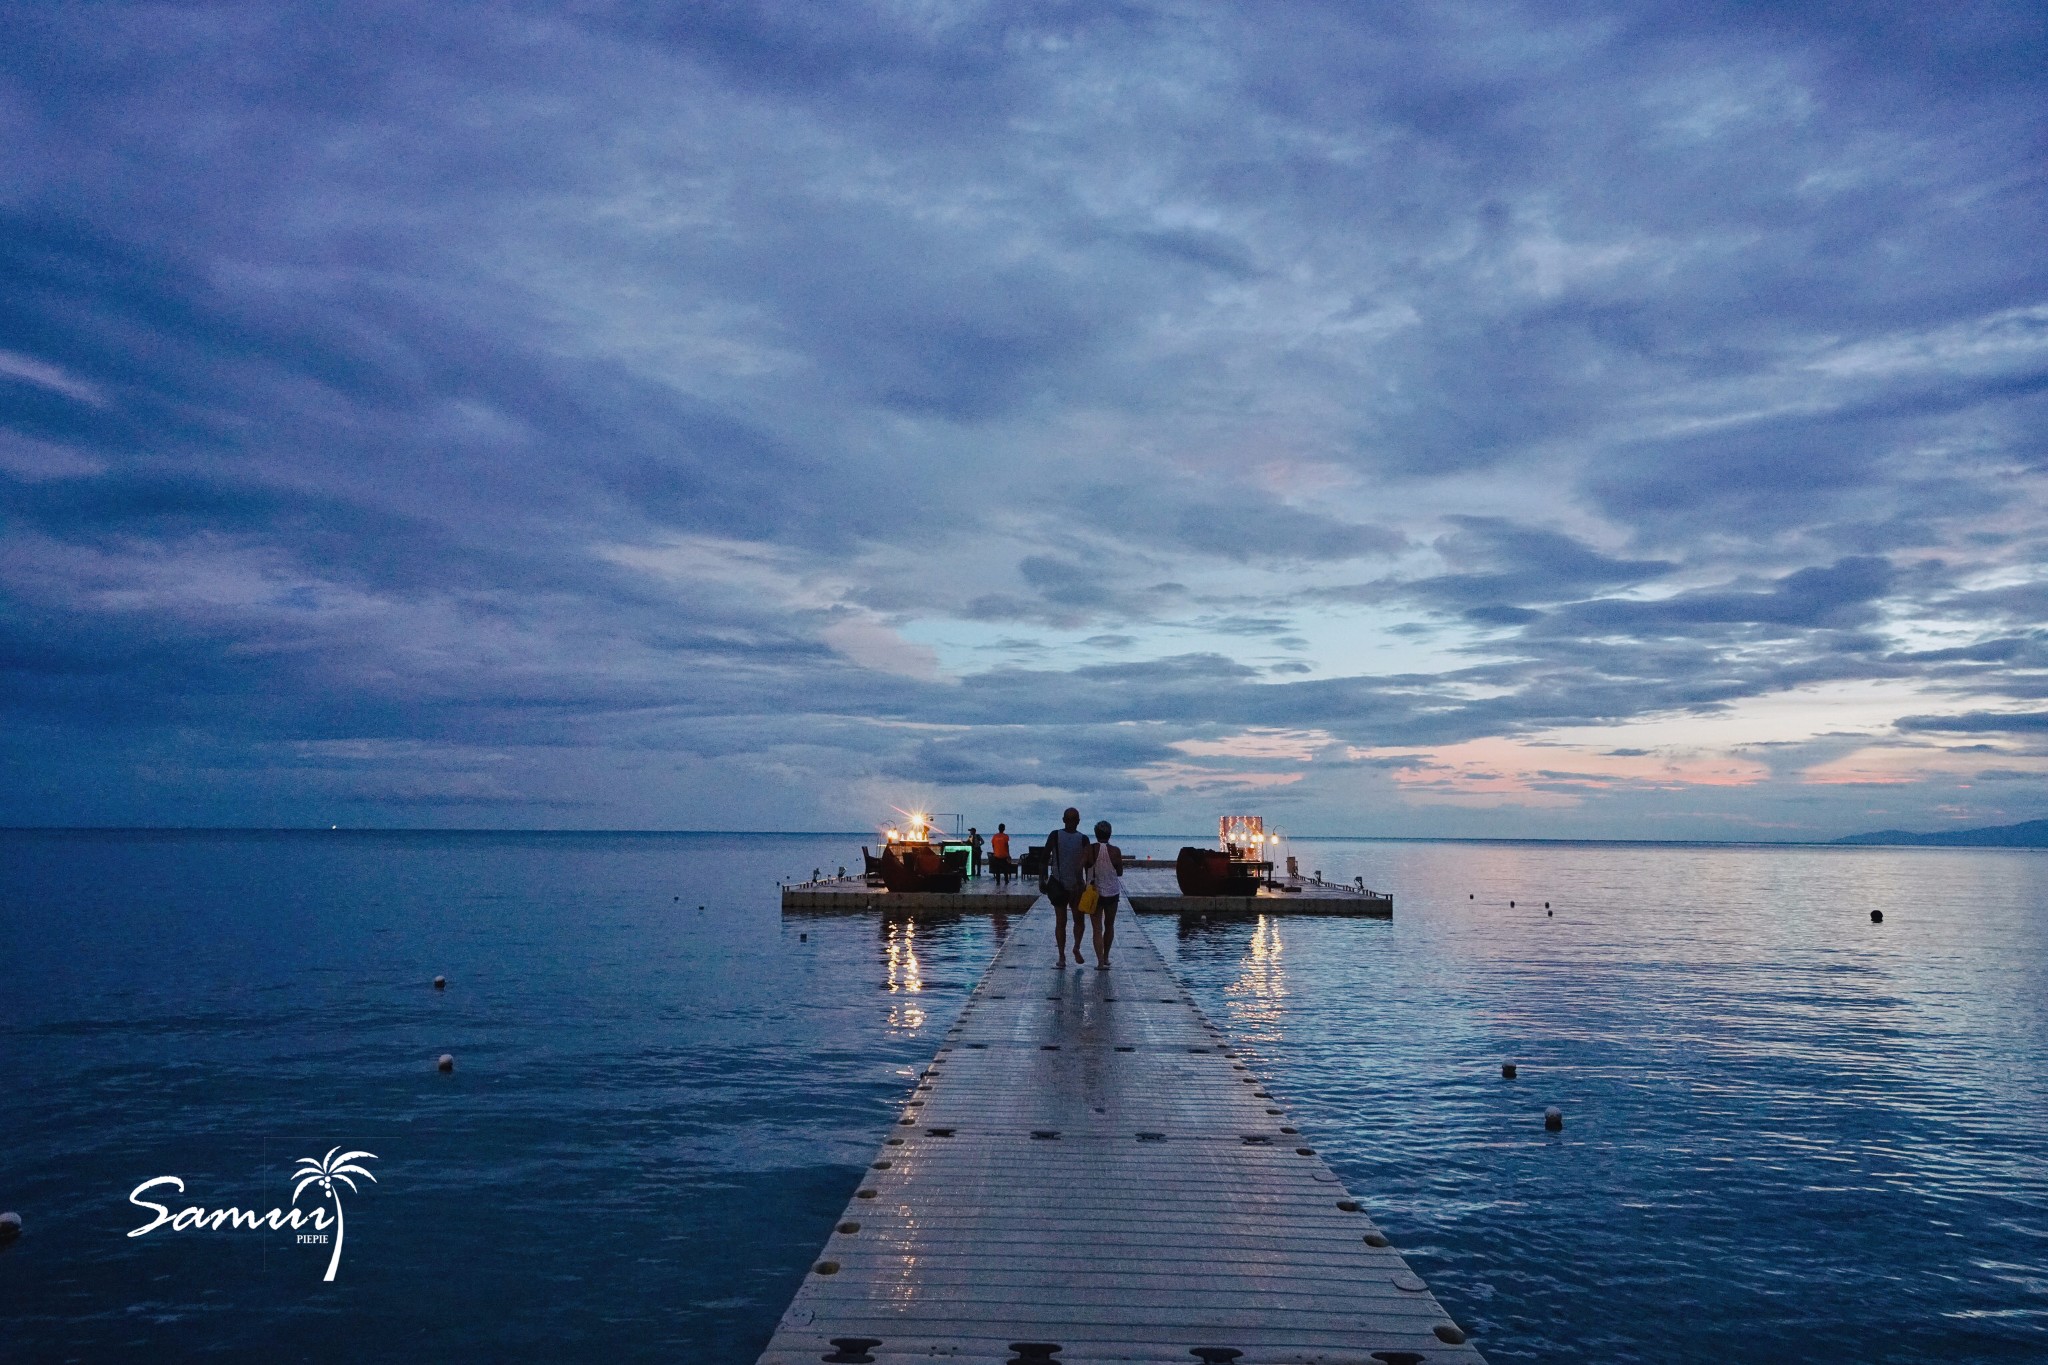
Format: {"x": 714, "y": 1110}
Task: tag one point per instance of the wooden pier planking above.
{"x": 1166, "y": 1204}
{"x": 1147, "y": 890}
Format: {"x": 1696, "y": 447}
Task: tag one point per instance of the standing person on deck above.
{"x": 1065, "y": 849}
{"x": 1106, "y": 875}
{"x": 999, "y": 855}
{"x": 974, "y": 859}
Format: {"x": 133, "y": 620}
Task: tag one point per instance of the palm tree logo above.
{"x": 325, "y": 1172}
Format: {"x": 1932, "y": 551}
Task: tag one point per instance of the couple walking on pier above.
{"x": 1086, "y": 878}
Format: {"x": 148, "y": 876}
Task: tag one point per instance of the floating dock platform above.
{"x": 1149, "y": 889}
{"x": 1088, "y": 1172}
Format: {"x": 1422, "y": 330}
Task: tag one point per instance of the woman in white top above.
{"x": 1105, "y": 862}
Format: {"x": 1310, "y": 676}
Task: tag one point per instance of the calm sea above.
{"x": 1791, "y": 1135}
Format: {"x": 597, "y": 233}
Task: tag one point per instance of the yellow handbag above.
{"x": 1090, "y": 898}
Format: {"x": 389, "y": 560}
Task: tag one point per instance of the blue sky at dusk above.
{"x": 1564, "y": 419}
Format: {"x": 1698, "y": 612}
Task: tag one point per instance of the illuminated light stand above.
{"x": 921, "y": 830}
{"x": 1247, "y": 840}
{"x": 1239, "y": 832}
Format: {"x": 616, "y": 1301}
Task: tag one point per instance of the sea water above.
{"x": 1790, "y": 1134}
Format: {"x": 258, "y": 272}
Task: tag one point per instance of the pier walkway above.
{"x": 1088, "y": 1172}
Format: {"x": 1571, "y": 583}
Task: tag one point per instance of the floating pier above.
{"x": 1088, "y": 1172}
{"x": 1149, "y": 889}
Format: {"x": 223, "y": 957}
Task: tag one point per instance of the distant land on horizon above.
{"x": 2026, "y": 834}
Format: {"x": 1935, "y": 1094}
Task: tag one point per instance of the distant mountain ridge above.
{"x": 2026, "y": 834}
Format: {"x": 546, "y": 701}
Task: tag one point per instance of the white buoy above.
{"x": 10, "y": 1226}
{"x": 1553, "y": 1119}
{"x": 447, "y": 1062}
{"x": 440, "y": 983}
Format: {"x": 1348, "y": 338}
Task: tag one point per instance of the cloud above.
{"x": 1976, "y": 723}
{"x": 1509, "y": 567}
{"x": 27, "y": 369}
{"x": 1245, "y": 532}
{"x": 1833, "y": 596}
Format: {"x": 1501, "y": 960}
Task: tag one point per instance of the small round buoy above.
{"x": 1473, "y": 897}
{"x": 1877, "y": 917}
{"x": 700, "y": 907}
{"x": 1511, "y": 905}
{"x": 440, "y": 983}
{"x": 447, "y": 1062}
{"x": 803, "y": 938}
{"x": 1551, "y": 914}
{"x": 1553, "y": 1119}
{"x": 1507, "y": 1070}
{"x": 10, "y": 1226}
{"x": 1546, "y": 905}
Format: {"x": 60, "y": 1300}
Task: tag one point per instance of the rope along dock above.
{"x": 1088, "y": 1172}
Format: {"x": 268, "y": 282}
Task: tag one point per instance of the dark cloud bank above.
{"x": 739, "y": 415}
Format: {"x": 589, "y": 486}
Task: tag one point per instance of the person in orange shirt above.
{"x": 999, "y": 864}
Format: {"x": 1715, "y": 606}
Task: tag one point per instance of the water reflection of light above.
{"x": 1257, "y": 996}
{"x": 900, "y": 949}
{"x": 904, "y": 974}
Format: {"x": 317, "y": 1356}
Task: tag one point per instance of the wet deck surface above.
{"x": 1087, "y": 1166}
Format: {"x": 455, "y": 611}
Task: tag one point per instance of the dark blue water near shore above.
{"x": 1791, "y": 1135}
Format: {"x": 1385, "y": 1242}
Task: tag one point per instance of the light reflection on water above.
{"x": 899, "y": 957}
{"x": 902, "y": 973}
{"x": 1256, "y": 997}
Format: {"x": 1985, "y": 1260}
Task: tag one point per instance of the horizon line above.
{"x": 830, "y": 833}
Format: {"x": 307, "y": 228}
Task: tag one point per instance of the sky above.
{"x": 1471, "y": 419}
